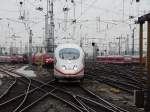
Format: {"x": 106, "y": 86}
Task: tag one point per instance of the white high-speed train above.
{"x": 69, "y": 62}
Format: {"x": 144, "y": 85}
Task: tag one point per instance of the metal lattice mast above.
{"x": 74, "y": 18}
{"x": 49, "y": 27}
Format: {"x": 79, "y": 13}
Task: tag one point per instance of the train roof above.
{"x": 68, "y": 46}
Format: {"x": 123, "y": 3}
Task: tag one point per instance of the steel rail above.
{"x": 42, "y": 97}
{"x": 94, "y": 103}
{"x": 111, "y": 84}
{"x": 75, "y": 96}
{"x": 105, "y": 101}
{"x": 26, "y": 91}
{"x": 109, "y": 105}
{"x": 60, "y": 98}
{"x": 80, "y": 105}
{"x": 10, "y": 88}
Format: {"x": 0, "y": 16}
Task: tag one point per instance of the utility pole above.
{"x": 133, "y": 41}
{"x": 74, "y": 18}
{"x": 46, "y": 26}
{"x": 119, "y": 45}
{"x": 81, "y": 42}
{"x": 52, "y": 26}
{"x": 110, "y": 47}
{"x": 81, "y": 6}
{"x": 127, "y": 45}
{"x": 49, "y": 27}
{"x": 11, "y": 48}
{"x": 65, "y": 10}
{"x": 98, "y": 24}
{"x": 46, "y": 32}
{"x": 74, "y": 9}
{"x": 0, "y": 50}
{"x": 123, "y": 11}
{"x": 21, "y": 47}
{"x": 30, "y": 48}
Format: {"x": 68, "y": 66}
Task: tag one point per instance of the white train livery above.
{"x": 69, "y": 62}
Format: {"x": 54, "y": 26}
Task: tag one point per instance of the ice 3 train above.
{"x": 69, "y": 62}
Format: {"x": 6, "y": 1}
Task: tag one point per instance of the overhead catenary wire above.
{"x": 34, "y": 6}
{"x": 118, "y": 12}
{"x": 125, "y": 21}
{"x": 80, "y": 21}
{"x": 105, "y": 22}
{"x": 104, "y": 9}
{"x": 87, "y": 8}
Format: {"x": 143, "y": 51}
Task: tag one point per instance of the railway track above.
{"x": 129, "y": 76}
{"x": 115, "y": 83}
{"x": 90, "y": 101}
{"x": 116, "y": 76}
{"x": 76, "y": 97}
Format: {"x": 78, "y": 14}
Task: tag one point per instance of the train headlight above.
{"x": 47, "y": 60}
{"x": 75, "y": 67}
{"x": 64, "y": 67}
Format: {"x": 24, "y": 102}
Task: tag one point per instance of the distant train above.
{"x": 69, "y": 62}
{"x": 117, "y": 59}
{"x": 12, "y": 59}
{"x": 44, "y": 59}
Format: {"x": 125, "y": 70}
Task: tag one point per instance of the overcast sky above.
{"x": 110, "y": 13}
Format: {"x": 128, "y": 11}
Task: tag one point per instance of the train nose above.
{"x": 70, "y": 67}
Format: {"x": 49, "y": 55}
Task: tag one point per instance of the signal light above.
{"x": 21, "y": 2}
{"x": 93, "y": 44}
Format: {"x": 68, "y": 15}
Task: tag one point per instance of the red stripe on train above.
{"x": 69, "y": 73}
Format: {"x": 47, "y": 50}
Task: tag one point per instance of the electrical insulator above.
{"x": 21, "y": 2}
{"x": 72, "y": 1}
{"x": 39, "y": 8}
{"x": 93, "y": 44}
{"x": 65, "y": 9}
{"x": 74, "y": 21}
{"x": 131, "y": 17}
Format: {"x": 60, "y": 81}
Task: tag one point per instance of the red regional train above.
{"x": 119, "y": 59}
{"x": 45, "y": 59}
{"x": 12, "y": 59}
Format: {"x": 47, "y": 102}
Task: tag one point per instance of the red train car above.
{"x": 5, "y": 59}
{"x": 119, "y": 59}
{"x": 127, "y": 59}
{"x": 136, "y": 59}
{"x": 45, "y": 59}
{"x": 16, "y": 59}
{"x": 110, "y": 59}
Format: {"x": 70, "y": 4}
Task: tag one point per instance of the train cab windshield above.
{"x": 69, "y": 54}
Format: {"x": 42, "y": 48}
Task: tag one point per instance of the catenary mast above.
{"x": 49, "y": 27}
